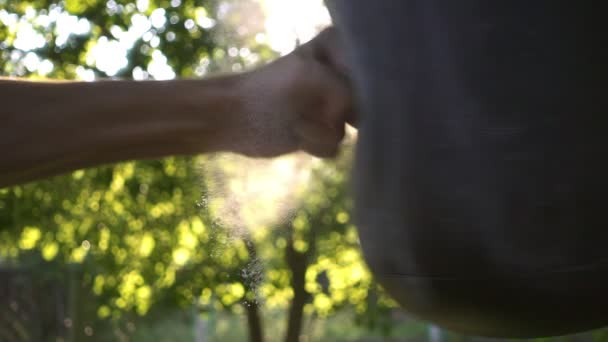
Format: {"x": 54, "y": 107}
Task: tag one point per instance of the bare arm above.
{"x": 49, "y": 128}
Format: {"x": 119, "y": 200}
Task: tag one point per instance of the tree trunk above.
{"x": 251, "y": 282}
{"x": 296, "y": 313}
{"x": 72, "y": 322}
{"x": 254, "y": 322}
{"x": 298, "y": 263}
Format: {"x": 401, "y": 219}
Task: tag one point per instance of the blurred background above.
{"x": 209, "y": 248}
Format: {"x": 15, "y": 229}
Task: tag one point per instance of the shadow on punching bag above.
{"x": 480, "y": 180}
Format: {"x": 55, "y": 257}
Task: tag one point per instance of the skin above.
{"x": 298, "y": 102}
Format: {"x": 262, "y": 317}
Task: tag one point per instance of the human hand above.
{"x": 300, "y": 101}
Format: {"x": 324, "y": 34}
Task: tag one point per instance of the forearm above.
{"x": 50, "y": 128}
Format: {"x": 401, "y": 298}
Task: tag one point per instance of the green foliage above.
{"x": 66, "y": 38}
{"x": 132, "y": 226}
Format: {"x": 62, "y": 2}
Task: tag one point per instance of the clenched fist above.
{"x": 301, "y": 101}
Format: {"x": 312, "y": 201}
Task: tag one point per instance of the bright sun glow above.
{"x": 290, "y": 20}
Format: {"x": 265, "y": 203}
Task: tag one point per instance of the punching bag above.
{"x": 480, "y": 177}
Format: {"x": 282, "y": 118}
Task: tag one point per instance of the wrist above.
{"x": 245, "y": 117}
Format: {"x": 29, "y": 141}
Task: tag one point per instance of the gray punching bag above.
{"x": 481, "y": 179}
